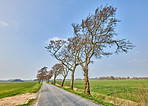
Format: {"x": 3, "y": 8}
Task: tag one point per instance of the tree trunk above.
{"x": 86, "y": 79}
{"x": 47, "y": 80}
{"x": 54, "y": 81}
{"x": 39, "y": 81}
{"x": 63, "y": 80}
{"x": 72, "y": 80}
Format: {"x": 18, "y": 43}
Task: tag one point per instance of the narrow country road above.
{"x": 51, "y": 95}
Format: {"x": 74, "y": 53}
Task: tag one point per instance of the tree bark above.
{"x": 47, "y": 80}
{"x": 63, "y": 80}
{"x": 72, "y": 80}
{"x": 54, "y": 81}
{"x": 86, "y": 79}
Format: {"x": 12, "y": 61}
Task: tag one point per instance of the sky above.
{"x": 26, "y": 26}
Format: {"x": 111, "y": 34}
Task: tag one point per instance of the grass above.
{"x": 98, "y": 101}
{"x": 115, "y": 90}
{"x": 14, "y": 88}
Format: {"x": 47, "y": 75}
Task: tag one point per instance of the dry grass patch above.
{"x": 17, "y": 99}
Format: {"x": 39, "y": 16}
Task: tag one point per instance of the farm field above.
{"x": 133, "y": 90}
{"x": 14, "y": 88}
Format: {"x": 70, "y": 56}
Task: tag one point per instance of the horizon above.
{"x": 74, "y": 78}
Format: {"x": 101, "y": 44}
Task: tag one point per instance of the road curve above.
{"x": 50, "y": 95}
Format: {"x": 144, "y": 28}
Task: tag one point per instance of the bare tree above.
{"x": 49, "y": 75}
{"x": 69, "y": 55}
{"x": 57, "y": 69}
{"x": 39, "y": 77}
{"x": 66, "y": 53}
{"x": 42, "y": 74}
{"x": 97, "y": 33}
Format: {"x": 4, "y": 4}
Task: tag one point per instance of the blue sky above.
{"x": 27, "y": 25}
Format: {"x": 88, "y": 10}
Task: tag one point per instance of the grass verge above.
{"x": 35, "y": 88}
{"x": 118, "y": 92}
{"x": 98, "y": 101}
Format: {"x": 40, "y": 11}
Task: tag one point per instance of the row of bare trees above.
{"x": 44, "y": 75}
{"x": 92, "y": 39}
{"x": 57, "y": 69}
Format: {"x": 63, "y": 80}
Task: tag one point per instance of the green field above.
{"x": 15, "y": 88}
{"x": 133, "y": 90}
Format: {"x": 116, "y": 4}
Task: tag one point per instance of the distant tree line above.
{"x": 115, "y": 78}
{"x": 91, "y": 39}
{"x": 122, "y": 78}
{"x": 16, "y": 80}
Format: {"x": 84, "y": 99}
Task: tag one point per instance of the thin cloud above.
{"x": 54, "y": 39}
{"x": 4, "y": 24}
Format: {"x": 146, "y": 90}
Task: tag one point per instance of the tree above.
{"x": 66, "y": 53}
{"x": 39, "y": 77}
{"x": 96, "y": 34}
{"x": 42, "y": 74}
{"x": 49, "y": 75}
{"x": 64, "y": 74}
{"x": 112, "y": 78}
{"x": 57, "y": 69}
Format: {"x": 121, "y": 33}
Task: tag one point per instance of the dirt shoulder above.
{"x": 17, "y": 99}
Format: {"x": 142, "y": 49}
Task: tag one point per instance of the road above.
{"x": 50, "y": 95}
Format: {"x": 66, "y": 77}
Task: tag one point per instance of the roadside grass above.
{"x": 15, "y": 88}
{"x": 35, "y": 88}
{"x": 119, "y": 92}
{"x": 98, "y": 101}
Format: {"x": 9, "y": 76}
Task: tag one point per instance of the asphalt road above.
{"x": 50, "y": 95}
